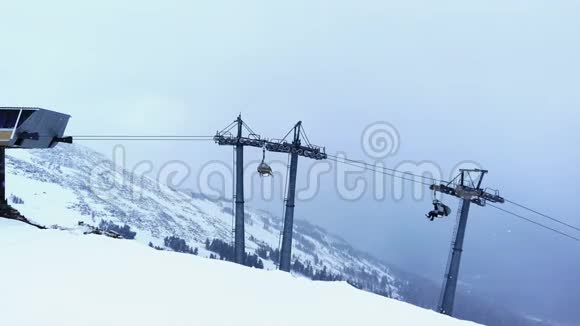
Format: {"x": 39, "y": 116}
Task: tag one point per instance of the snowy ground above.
{"x": 63, "y": 278}
{"x": 68, "y": 184}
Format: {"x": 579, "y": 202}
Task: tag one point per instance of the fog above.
{"x": 489, "y": 82}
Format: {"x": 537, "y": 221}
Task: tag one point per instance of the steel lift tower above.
{"x": 295, "y": 149}
{"x": 468, "y": 189}
{"x": 225, "y": 137}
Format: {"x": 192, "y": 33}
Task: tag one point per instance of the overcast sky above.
{"x": 494, "y": 82}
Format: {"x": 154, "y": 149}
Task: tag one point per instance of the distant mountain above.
{"x": 70, "y": 184}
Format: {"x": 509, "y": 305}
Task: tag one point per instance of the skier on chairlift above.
{"x": 439, "y": 210}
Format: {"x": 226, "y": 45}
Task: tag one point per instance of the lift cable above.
{"x": 345, "y": 160}
{"x": 544, "y": 215}
{"x": 534, "y": 222}
{"x": 367, "y": 167}
{"x": 354, "y": 163}
{"x": 142, "y": 138}
{"x": 122, "y": 137}
{"x": 373, "y": 168}
{"x": 202, "y": 138}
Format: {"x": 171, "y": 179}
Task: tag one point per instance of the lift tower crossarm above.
{"x": 296, "y": 147}
{"x": 275, "y": 146}
{"x": 469, "y": 191}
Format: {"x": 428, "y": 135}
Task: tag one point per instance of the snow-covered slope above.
{"x": 57, "y": 187}
{"x": 61, "y": 278}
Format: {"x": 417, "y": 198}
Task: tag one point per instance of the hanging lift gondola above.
{"x": 264, "y": 169}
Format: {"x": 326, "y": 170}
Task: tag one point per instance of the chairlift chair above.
{"x": 439, "y": 210}
{"x": 263, "y": 168}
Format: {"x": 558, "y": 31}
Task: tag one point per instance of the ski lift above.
{"x": 439, "y": 210}
{"x": 264, "y": 169}
{"x": 32, "y": 128}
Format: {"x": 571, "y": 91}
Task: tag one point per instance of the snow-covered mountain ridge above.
{"x": 68, "y": 184}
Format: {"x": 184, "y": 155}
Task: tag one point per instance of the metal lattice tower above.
{"x": 468, "y": 189}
